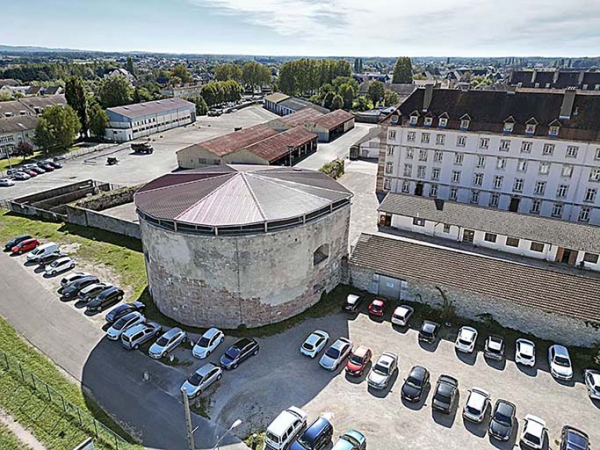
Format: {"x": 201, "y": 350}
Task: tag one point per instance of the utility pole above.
{"x": 188, "y": 420}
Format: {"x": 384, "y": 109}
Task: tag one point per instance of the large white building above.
{"x": 523, "y": 150}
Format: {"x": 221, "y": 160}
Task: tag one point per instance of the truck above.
{"x": 142, "y": 147}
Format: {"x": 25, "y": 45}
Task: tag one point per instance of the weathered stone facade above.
{"x": 249, "y": 280}
{"x": 558, "y": 328}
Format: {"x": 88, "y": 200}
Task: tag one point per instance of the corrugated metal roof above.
{"x": 153, "y": 107}
{"x": 300, "y": 117}
{"x": 276, "y": 146}
{"x": 334, "y": 119}
{"x": 232, "y": 142}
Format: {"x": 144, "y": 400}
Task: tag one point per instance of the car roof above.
{"x": 316, "y": 427}
{"x": 447, "y": 379}
{"x": 418, "y": 372}
{"x": 109, "y": 290}
{"x": 504, "y": 407}
{"x": 378, "y": 300}
{"x": 282, "y": 422}
{"x": 135, "y": 329}
{"x": 129, "y": 316}
{"x": 476, "y": 399}
{"x": 428, "y": 325}
{"x": 205, "y": 369}
{"x": 242, "y": 343}
{"x": 576, "y": 439}
{"x": 27, "y": 241}
{"x": 403, "y": 308}
{"x": 211, "y": 332}
{"x": 352, "y": 298}
{"x": 339, "y": 343}
{"x": 361, "y": 350}
{"x": 172, "y": 332}
{"x": 560, "y": 350}
{"x": 468, "y": 332}
{"x": 387, "y": 358}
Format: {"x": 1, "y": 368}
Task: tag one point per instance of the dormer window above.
{"x": 509, "y": 125}
{"x": 530, "y": 126}
{"x": 428, "y": 121}
{"x": 553, "y": 131}
{"x": 413, "y": 120}
{"x": 443, "y": 123}
{"x": 465, "y": 122}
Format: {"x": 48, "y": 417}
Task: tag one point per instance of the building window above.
{"x": 453, "y": 193}
{"x": 425, "y": 138}
{"x": 405, "y": 187}
{"x": 421, "y": 171}
{"x": 540, "y": 187}
{"x": 490, "y": 237}
{"x": 561, "y": 192}
{"x": 464, "y": 124}
{"x": 433, "y": 190}
{"x": 544, "y": 168}
{"x": 413, "y": 120}
{"x": 435, "y": 173}
{"x": 389, "y": 167}
{"x": 584, "y": 214}
{"x": 481, "y": 161}
{"x": 456, "y": 176}
{"x": 392, "y": 134}
{"x": 512, "y": 242}
{"x": 548, "y": 150}
{"x": 440, "y": 139}
{"x": 321, "y": 254}
{"x": 500, "y": 163}
{"x": 557, "y": 210}
{"x": 410, "y": 136}
{"x": 446, "y": 228}
{"x": 458, "y": 159}
{"x": 475, "y": 197}
{"x": 526, "y": 147}
{"x": 535, "y": 206}
{"x": 508, "y": 127}
{"x": 530, "y": 129}
{"x": 484, "y": 143}
{"x": 567, "y": 171}
{"x": 572, "y": 151}
{"x": 390, "y": 150}
{"x": 443, "y": 122}
{"x": 423, "y": 155}
{"x": 410, "y": 153}
{"x": 438, "y": 156}
{"x": 428, "y": 121}
{"x": 518, "y": 185}
{"x": 595, "y": 174}
{"x": 407, "y": 170}
{"x": 592, "y": 258}
{"x": 498, "y": 180}
{"x": 536, "y": 247}
{"x": 461, "y": 141}
{"x": 522, "y": 165}
{"x": 597, "y": 156}
{"x": 494, "y": 200}
{"x": 477, "y": 179}
{"x": 590, "y": 195}
{"x": 504, "y": 145}
{"x": 387, "y": 184}
{"x": 418, "y": 222}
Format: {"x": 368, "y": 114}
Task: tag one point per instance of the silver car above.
{"x": 123, "y": 324}
{"x": 335, "y": 354}
{"x": 383, "y": 370}
{"x": 60, "y": 265}
{"x": 135, "y": 336}
{"x": 201, "y": 379}
{"x": 167, "y": 343}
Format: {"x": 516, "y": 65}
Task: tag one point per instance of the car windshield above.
{"x": 503, "y": 419}
{"x": 473, "y": 410}
{"x": 308, "y": 346}
{"x": 358, "y": 360}
{"x": 203, "y": 342}
{"x": 195, "y": 379}
{"x": 376, "y": 306}
{"x": 232, "y": 353}
{"x": 121, "y": 323}
{"x": 464, "y": 341}
{"x": 532, "y": 438}
{"x": 333, "y": 353}
{"x": 413, "y": 381}
{"x": 382, "y": 370}
{"x": 562, "y": 361}
{"x": 162, "y": 341}
{"x": 305, "y": 441}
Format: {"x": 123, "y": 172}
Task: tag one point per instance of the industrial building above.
{"x": 129, "y": 122}
{"x": 231, "y": 246}
{"x": 283, "y": 104}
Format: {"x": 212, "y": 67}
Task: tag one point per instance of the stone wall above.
{"x": 109, "y": 199}
{"x": 250, "y": 280}
{"x": 553, "y": 327}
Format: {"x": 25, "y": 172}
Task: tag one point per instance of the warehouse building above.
{"x": 326, "y": 126}
{"x": 126, "y": 123}
{"x": 209, "y": 235}
{"x": 283, "y": 104}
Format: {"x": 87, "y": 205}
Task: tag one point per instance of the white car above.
{"x": 560, "y": 362}
{"x": 201, "y": 379}
{"x": 207, "y": 343}
{"x": 525, "y": 352}
{"x": 383, "y": 370}
{"x": 336, "y": 353}
{"x": 168, "y": 342}
{"x": 67, "y": 279}
{"x": 477, "y": 405}
{"x": 534, "y": 432}
{"x": 314, "y": 343}
{"x": 466, "y": 339}
{"x": 402, "y": 315}
{"x": 123, "y": 324}
{"x": 592, "y": 382}
{"x": 6, "y": 182}
{"x": 59, "y": 265}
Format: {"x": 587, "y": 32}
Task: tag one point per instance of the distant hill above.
{"x": 32, "y": 49}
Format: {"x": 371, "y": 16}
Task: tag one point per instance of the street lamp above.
{"x": 233, "y": 425}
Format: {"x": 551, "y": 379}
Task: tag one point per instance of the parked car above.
{"x": 429, "y": 331}
{"x": 494, "y": 347}
{"x": 358, "y": 361}
{"x": 59, "y": 265}
{"x": 44, "y": 165}
{"x": 135, "y": 336}
{"x": 35, "y": 168}
{"x": 42, "y": 250}
{"x": 503, "y": 420}
{"x": 67, "y": 279}
{"x": 383, "y": 371}
{"x": 534, "y": 432}
{"x": 31, "y": 173}
{"x": 25, "y": 246}
{"x": 351, "y": 440}
{"x": 50, "y": 257}
{"x": 54, "y": 163}
{"x": 477, "y": 405}
{"x": 168, "y": 342}
{"x": 14, "y": 241}
{"x": 415, "y": 384}
{"x": 19, "y": 176}
{"x": 238, "y": 353}
{"x": 352, "y": 303}
{"x": 377, "y": 307}
{"x": 525, "y": 352}
{"x": 282, "y": 431}
{"x": 201, "y": 380}
{"x": 92, "y": 291}
{"x": 402, "y": 315}
{"x": 336, "y": 353}
{"x": 592, "y": 382}
{"x": 207, "y": 343}
{"x": 121, "y": 310}
{"x": 72, "y": 289}
{"x": 466, "y": 340}
{"x": 573, "y": 439}
{"x": 316, "y": 437}
{"x": 314, "y": 343}
{"x": 123, "y": 324}
{"x": 560, "y": 362}
{"x": 6, "y": 182}
{"x": 106, "y": 298}
{"x": 445, "y": 394}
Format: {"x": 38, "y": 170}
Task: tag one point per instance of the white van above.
{"x": 42, "y": 250}
{"x": 284, "y": 428}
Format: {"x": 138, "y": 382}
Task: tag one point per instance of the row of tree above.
{"x": 306, "y": 76}
{"x": 250, "y": 74}
{"x": 217, "y": 92}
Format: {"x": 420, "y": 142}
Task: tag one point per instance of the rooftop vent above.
{"x": 567, "y": 104}
{"x": 439, "y": 204}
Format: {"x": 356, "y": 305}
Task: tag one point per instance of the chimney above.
{"x": 427, "y": 97}
{"x": 567, "y": 103}
{"x": 439, "y": 204}
{"x": 581, "y": 77}
{"x": 534, "y": 76}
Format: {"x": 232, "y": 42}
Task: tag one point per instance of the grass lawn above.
{"x": 8, "y": 441}
{"x": 17, "y": 160}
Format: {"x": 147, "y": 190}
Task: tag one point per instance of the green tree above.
{"x": 56, "y": 128}
{"x": 129, "y": 66}
{"x": 141, "y": 94}
{"x": 255, "y": 74}
{"x": 403, "y": 71}
{"x": 201, "y": 106}
{"x": 180, "y": 71}
{"x": 328, "y": 100}
{"x": 347, "y": 92}
{"x": 98, "y": 120}
{"x": 226, "y": 72}
{"x": 390, "y": 98}
{"x": 376, "y": 91}
{"x": 114, "y": 91}
{"x": 361, "y": 104}
{"x": 76, "y": 98}
{"x": 337, "y": 102}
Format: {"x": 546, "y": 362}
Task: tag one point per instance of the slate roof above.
{"x": 334, "y": 119}
{"x": 238, "y": 195}
{"x": 554, "y": 292}
{"x": 232, "y": 142}
{"x": 18, "y": 123}
{"x": 535, "y": 228}
{"x": 154, "y": 107}
{"x": 298, "y": 104}
{"x": 274, "y": 147}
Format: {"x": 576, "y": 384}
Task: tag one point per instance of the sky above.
{"x": 309, "y": 27}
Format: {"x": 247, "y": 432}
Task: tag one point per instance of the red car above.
{"x": 377, "y": 307}
{"x": 359, "y": 360}
{"x": 29, "y": 172}
{"x": 25, "y": 246}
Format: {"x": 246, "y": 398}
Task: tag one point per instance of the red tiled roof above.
{"x": 334, "y": 119}
{"x": 301, "y": 117}
{"x": 232, "y": 142}
{"x": 276, "y": 146}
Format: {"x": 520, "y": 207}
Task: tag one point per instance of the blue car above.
{"x": 351, "y": 440}
{"x": 239, "y": 352}
{"x": 316, "y": 437}
{"x": 574, "y": 439}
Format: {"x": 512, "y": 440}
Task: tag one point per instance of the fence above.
{"x": 103, "y": 436}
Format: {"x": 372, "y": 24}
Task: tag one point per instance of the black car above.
{"x": 429, "y": 331}
{"x": 573, "y": 439}
{"x": 55, "y": 164}
{"x": 47, "y": 259}
{"x": 92, "y": 291}
{"x": 14, "y": 241}
{"x": 503, "y": 420}
{"x": 71, "y": 290}
{"x": 121, "y": 310}
{"x": 239, "y": 352}
{"x": 415, "y": 384}
{"x": 106, "y": 298}
{"x": 47, "y": 167}
{"x": 445, "y": 394}
{"x": 494, "y": 347}
{"x": 316, "y": 437}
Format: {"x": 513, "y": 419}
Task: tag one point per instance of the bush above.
{"x": 334, "y": 169}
